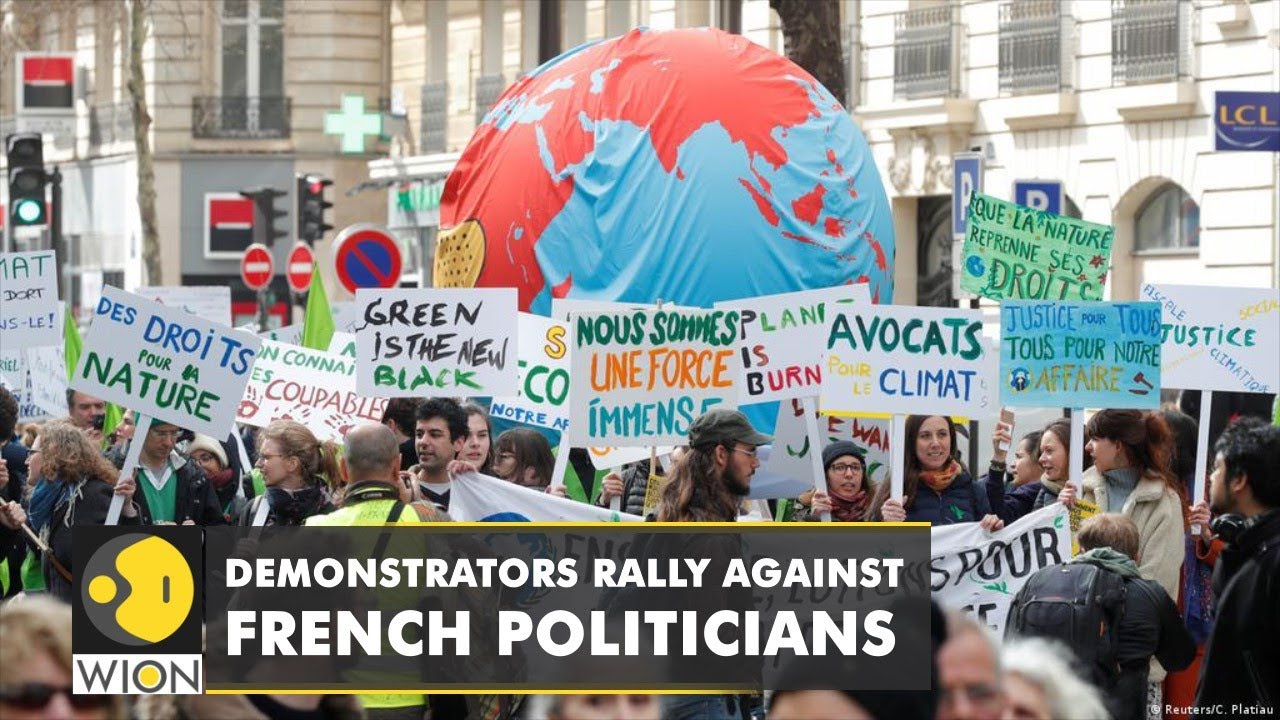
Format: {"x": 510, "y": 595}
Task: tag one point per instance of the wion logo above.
{"x": 137, "y": 617}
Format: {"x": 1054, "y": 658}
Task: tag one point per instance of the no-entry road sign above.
{"x": 298, "y": 269}
{"x": 257, "y": 267}
{"x": 367, "y": 256}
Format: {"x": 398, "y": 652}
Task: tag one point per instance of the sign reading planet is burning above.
{"x": 691, "y": 166}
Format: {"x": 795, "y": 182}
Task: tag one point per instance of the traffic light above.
{"x": 25, "y": 153}
{"x": 265, "y": 216}
{"x": 312, "y": 208}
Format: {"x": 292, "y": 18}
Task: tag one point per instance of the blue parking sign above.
{"x": 1043, "y": 195}
{"x": 966, "y": 179}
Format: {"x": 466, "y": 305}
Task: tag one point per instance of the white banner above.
{"x": 165, "y": 363}
{"x": 29, "y": 309}
{"x": 436, "y": 342}
{"x": 1218, "y": 338}
{"x": 641, "y": 377}
{"x": 480, "y": 498}
{"x": 781, "y": 347}
{"x": 908, "y": 360}
{"x": 211, "y": 302}
{"x": 317, "y": 389}
{"x": 980, "y": 572}
{"x": 544, "y": 376}
{"x": 47, "y": 368}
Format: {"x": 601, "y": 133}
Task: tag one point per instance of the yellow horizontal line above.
{"x": 472, "y": 691}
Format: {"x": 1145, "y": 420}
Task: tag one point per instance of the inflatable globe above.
{"x": 689, "y": 166}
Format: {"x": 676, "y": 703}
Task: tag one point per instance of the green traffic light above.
{"x": 28, "y": 211}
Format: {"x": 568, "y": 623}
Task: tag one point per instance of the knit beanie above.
{"x": 209, "y": 445}
{"x": 838, "y": 449}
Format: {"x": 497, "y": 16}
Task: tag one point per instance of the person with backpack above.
{"x": 1113, "y": 621}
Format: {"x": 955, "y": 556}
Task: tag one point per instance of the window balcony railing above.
{"x": 110, "y": 123}
{"x": 1035, "y": 47}
{"x": 926, "y": 42}
{"x": 1150, "y": 41}
{"x": 251, "y": 118}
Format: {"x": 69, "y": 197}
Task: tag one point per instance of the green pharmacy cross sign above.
{"x": 352, "y": 123}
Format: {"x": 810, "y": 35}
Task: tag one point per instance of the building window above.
{"x": 1033, "y": 37}
{"x": 252, "y": 102}
{"x": 1168, "y": 220}
{"x": 1150, "y": 40}
{"x": 924, "y": 53}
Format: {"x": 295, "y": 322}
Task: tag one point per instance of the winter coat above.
{"x": 194, "y": 499}
{"x": 1157, "y": 511}
{"x": 635, "y": 485}
{"x": 1242, "y": 659}
{"x": 965, "y": 500}
{"x": 1011, "y": 504}
{"x": 85, "y": 504}
{"x": 1150, "y": 628}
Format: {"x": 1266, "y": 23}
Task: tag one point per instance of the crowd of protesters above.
{"x": 1186, "y": 620}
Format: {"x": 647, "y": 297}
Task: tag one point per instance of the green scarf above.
{"x": 1108, "y": 559}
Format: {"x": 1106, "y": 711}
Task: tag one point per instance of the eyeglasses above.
{"x": 744, "y": 451}
{"x": 842, "y": 468}
{"x": 268, "y": 456}
{"x": 167, "y": 434}
{"x": 35, "y": 696}
{"x": 977, "y": 693}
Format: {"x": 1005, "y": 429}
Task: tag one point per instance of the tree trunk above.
{"x": 811, "y": 38}
{"x": 137, "y": 85}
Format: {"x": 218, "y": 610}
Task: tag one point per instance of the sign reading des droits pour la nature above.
{"x": 641, "y": 377}
{"x": 1080, "y": 354}
{"x": 1218, "y": 338}
{"x": 543, "y": 399}
{"x": 1011, "y": 251}
{"x": 901, "y": 359}
{"x": 779, "y": 335}
{"x": 436, "y": 342}
{"x": 165, "y": 362}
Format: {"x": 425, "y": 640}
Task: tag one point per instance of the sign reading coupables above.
{"x": 1246, "y": 121}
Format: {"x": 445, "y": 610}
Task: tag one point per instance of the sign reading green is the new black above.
{"x": 1011, "y": 251}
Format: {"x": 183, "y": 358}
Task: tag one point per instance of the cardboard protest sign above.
{"x": 791, "y": 445}
{"x": 1079, "y": 354}
{"x": 980, "y": 572}
{"x": 1081, "y": 510}
{"x": 1218, "y": 338}
{"x": 165, "y": 363}
{"x": 436, "y": 342}
{"x": 47, "y": 370}
{"x": 14, "y": 377}
{"x": 317, "y": 389}
{"x": 780, "y": 348}
{"x": 341, "y": 343}
{"x": 901, "y": 359}
{"x": 641, "y": 377}
{"x": 543, "y": 399}
{"x": 1011, "y": 251}
{"x": 481, "y": 498}
{"x": 211, "y": 302}
{"x": 289, "y": 334}
{"x": 29, "y": 300}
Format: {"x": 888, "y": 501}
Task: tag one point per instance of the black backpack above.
{"x": 1080, "y": 605}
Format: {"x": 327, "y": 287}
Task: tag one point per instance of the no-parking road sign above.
{"x": 367, "y": 256}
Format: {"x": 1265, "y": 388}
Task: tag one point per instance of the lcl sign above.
{"x": 1247, "y": 121}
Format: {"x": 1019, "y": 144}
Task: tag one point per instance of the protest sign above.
{"x": 543, "y": 399}
{"x": 563, "y": 308}
{"x": 900, "y": 359}
{"x": 1011, "y": 251}
{"x": 436, "y": 342}
{"x": 641, "y": 377}
{"x": 341, "y": 343}
{"x": 1080, "y": 354}
{"x": 29, "y": 300}
{"x": 608, "y": 458}
{"x": 211, "y": 302}
{"x": 1081, "y": 510}
{"x": 14, "y": 377}
{"x": 289, "y": 334}
{"x": 1218, "y": 338}
{"x": 791, "y": 445}
{"x": 47, "y": 370}
{"x": 480, "y": 498}
{"x": 980, "y": 572}
{"x": 782, "y": 337}
{"x": 165, "y": 363}
{"x": 317, "y": 389}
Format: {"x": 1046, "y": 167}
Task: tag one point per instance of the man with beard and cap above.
{"x": 441, "y": 433}
{"x": 710, "y": 482}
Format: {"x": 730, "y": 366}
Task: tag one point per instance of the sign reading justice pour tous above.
{"x": 1080, "y": 354}
{"x": 436, "y": 342}
{"x": 900, "y": 359}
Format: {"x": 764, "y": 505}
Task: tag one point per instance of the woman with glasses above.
{"x": 300, "y": 472}
{"x": 853, "y": 497}
{"x": 35, "y": 666}
{"x": 937, "y": 488}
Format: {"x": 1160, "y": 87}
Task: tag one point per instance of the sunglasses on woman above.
{"x": 35, "y": 696}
